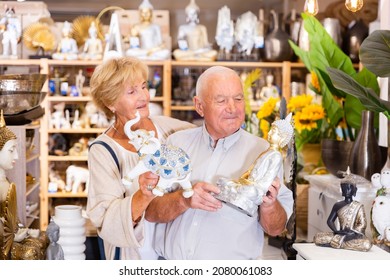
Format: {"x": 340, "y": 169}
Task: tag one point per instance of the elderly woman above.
{"x": 119, "y": 89}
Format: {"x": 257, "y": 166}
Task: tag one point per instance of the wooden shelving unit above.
{"x": 166, "y": 70}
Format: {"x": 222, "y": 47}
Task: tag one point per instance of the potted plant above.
{"x": 343, "y": 110}
{"x": 375, "y": 56}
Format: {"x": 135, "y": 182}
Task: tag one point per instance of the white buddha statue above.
{"x": 11, "y": 29}
{"x": 246, "y": 193}
{"x": 192, "y": 38}
{"x": 93, "y": 47}
{"x": 225, "y": 31}
{"x": 146, "y": 40}
{"x": 16, "y": 241}
{"x": 246, "y": 33}
{"x": 269, "y": 90}
{"x": 67, "y": 48}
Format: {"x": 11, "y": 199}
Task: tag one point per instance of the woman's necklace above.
{"x": 119, "y": 132}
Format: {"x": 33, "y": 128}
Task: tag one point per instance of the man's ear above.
{"x": 198, "y": 106}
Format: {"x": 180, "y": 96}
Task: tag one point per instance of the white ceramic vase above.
{"x": 72, "y": 231}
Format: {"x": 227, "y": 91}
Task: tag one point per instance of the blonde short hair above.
{"x": 108, "y": 80}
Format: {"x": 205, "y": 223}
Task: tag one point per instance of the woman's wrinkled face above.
{"x": 9, "y": 155}
{"x": 135, "y": 97}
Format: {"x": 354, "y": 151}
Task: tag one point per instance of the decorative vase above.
{"x": 366, "y": 158}
{"x": 354, "y": 37}
{"x": 276, "y": 46}
{"x": 335, "y": 155}
{"x": 72, "y": 231}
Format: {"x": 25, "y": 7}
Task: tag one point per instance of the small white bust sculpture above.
{"x": 146, "y": 40}
{"x": 11, "y": 28}
{"x": 93, "y": 47}
{"x": 67, "y": 48}
{"x": 192, "y": 38}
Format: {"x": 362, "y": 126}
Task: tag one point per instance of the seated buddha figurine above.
{"x": 146, "y": 40}
{"x": 67, "y": 48}
{"x": 16, "y": 241}
{"x": 192, "y": 38}
{"x": 350, "y": 234}
{"x": 246, "y": 193}
{"x": 269, "y": 90}
{"x": 93, "y": 47}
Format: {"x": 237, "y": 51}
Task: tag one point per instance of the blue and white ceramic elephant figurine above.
{"x": 171, "y": 163}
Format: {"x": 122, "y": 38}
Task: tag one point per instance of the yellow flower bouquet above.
{"x": 267, "y": 114}
{"x": 309, "y": 119}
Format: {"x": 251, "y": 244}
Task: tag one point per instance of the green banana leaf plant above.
{"x": 374, "y": 54}
{"x": 322, "y": 54}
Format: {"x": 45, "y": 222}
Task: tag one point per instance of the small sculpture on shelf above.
{"x": 11, "y": 29}
{"x": 56, "y": 183}
{"x": 94, "y": 118}
{"x": 67, "y": 47}
{"x": 246, "y": 193}
{"x": 54, "y": 251}
{"x": 269, "y": 90}
{"x": 39, "y": 37}
{"x": 17, "y": 242}
{"x": 169, "y": 162}
{"x": 146, "y": 41}
{"x": 93, "y": 46}
{"x": 80, "y": 80}
{"x": 75, "y": 177}
{"x": 380, "y": 212}
{"x": 225, "y": 34}
{"x": 192, "y": 38}
{"x": 58, "y": 145}
{"x": 350, "y": 234}
{"x": 246, "y": 35}
{"x": 80, "y": 148}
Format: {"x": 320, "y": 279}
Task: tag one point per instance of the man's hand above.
{"x": 270, "y": 197}
{"x": 203, "y": 198}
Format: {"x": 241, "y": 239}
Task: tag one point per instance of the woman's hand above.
{"x": 147, "y": 182}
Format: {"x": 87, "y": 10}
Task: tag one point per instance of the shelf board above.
{"x": 31, "y": 187}
{"x": 233, "y": 64}
{"x": 77, "y": 131}
{"x": 182, "y": 108}
{"x": 30, "y": 218}
{"x": 56, "y": 98}
{"x": 67, "y": 158}
{"x": 32, "y": 157}
{"x": 157, "y": 99}
{"x": 53, "y": 62}
{"x": 67, "y": 194}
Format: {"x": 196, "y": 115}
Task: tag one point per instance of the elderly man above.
{"x": 201, "y": 227}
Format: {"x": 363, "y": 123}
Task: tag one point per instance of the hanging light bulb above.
{"x": 354, "y": 5}
{"x": 311, "y": 7}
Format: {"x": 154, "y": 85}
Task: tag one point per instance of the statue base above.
{"x": 236, "y": 196}
{"x": 35, "y": 56}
